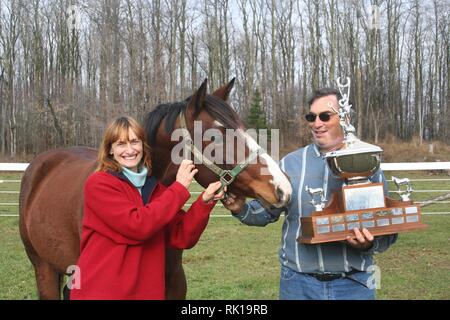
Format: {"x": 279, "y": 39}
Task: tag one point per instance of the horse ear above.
{"x": 197, "y": 100}
{"x": 224, "y": 91}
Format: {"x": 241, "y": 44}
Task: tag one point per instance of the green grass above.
{"x": 418, "y": 265}
{"x": 234, "y": 261}
{"x": 16, "y": 272}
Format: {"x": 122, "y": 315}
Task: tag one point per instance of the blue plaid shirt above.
{"x": 306, "y": 167}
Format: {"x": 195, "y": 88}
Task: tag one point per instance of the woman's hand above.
{"x": 210, "y": 192}
{"x": 186, "y": 173}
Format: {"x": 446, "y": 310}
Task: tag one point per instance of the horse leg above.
{"x": 48, "y": 281}
{"x": 176, "y": 286}
{"x": 47, "y": 278}
{"x": 66, "y": 292}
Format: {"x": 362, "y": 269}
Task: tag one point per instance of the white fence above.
{"x": 403, "y": 166}
{"x": 394, "y": 166}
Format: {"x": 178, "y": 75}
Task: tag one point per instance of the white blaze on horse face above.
{"x": 218, "y": 124}
{"x": 279, "y": 179}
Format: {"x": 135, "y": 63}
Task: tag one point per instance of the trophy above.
{"x": 360, "y": 203}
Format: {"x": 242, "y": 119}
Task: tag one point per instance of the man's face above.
{"x": 327, "y": 135}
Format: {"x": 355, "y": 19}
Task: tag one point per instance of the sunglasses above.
{"x": 323, "y": 116}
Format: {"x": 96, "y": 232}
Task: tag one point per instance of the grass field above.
{"x": 234, "y": 261}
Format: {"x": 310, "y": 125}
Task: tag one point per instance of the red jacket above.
{"x": 123, "y": 241}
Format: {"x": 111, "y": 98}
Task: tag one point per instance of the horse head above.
{"x": 206, "y": 129}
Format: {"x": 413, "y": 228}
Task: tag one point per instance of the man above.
{"x": 336, "y": 270}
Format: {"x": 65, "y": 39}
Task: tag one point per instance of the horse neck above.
{"x": 162, "y": 166}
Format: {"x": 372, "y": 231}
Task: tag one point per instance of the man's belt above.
{"x": 332, "y": 276}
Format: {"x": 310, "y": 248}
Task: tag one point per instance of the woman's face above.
{"x": 128, "y": 153}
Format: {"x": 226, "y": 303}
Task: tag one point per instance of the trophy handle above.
{"x": 344, "y": 111}
{"x": 318, "y": 205}
{"x": 346, "y": 95}
{"x": 404, "y": 182}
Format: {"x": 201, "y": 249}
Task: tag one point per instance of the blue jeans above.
{"x": 301, "y": 286}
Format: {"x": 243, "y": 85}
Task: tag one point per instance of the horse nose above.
{"x": 284, "y": 197}
{"x": 280, "y": 193}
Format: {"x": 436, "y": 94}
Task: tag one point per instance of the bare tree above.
{"x": 127, "y": 56}
{"x": 418, "y": 72}
{"x": 9, "y": 37}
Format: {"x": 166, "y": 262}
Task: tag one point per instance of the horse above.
{"x": 51, "y": 194}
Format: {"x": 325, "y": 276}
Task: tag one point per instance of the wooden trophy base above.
{"x": 335, "y": 223}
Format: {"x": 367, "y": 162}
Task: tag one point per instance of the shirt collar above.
{"x": 316, "y": 150}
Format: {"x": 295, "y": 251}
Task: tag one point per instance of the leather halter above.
{"x": 226, "y": 176}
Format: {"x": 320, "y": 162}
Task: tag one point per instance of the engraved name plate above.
{"x": 383, "y": 222}
{"x": 398, "y": 220}
{"x": 364, "y": 198}
{"x": 322, "y": 221}
{"x": 367, "y": 216}
{"x": 338, "y": 227}
{"x": 412, "y": 218}
{"x": 397, "y": 211}
{"x": 353, "y": 225}
{"x": 410, "y": 210}
{"x": 368, "y": 224}
{"x": 323, "y": 229}
{"x": 337, "y": 219}
{"x": 352, "y": 217}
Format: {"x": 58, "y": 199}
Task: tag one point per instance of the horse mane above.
{"x": 215, "y": 107}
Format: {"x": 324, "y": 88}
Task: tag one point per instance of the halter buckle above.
{"x": 226, "y": 178}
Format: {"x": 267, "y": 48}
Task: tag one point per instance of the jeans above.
{"x": 301, "y": 286}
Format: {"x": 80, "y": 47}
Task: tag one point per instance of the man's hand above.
{"x": 234, "y": 203}
{"x": 362, "y": 241}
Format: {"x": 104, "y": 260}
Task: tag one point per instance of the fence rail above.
{"x": 391, "y": 166}
{"x": 400, "y": 166}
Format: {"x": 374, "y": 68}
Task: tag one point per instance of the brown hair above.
{"x": 118, "y": 130}
{"x": 323, "y": 92}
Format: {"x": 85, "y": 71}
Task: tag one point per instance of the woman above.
{"x": 129, "y": 218}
